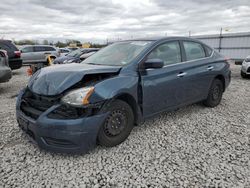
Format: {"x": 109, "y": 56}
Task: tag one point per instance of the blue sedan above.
{"x": 73, "y": 107}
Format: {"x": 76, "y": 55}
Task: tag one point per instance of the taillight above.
{"x": 17, "y": 54}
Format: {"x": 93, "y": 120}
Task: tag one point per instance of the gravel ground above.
{"x": 192, "y": 147}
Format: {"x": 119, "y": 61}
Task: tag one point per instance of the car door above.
{"x": 40, "y": 54}
{"x": 162, "y": 88}
{"x": 27, "y": 54}
{"x": 196, "y": 70}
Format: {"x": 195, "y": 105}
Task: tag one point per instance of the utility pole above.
{"x": 220, "y": 38}
{"x": 189, "y": 33}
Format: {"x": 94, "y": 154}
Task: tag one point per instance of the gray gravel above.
{"x": 191, "y": 147}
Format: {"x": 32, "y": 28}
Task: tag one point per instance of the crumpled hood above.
{"x": 55, "y": 79}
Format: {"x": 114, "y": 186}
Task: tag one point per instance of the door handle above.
{"x": 181, "y": 74}
{"x": 210, "y": 68}
{"x": 47, "y": 53}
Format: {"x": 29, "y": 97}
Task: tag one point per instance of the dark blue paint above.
{"x": 152, "y": 91}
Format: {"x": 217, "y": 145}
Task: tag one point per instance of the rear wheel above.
{"x": 215, "y": 94}
{"x": 118, "y": 125}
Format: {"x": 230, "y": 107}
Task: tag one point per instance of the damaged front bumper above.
{"x": 60, "y": 135}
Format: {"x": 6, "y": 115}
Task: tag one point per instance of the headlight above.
{"x": 78, "y": 97}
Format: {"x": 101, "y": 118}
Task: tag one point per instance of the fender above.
{"x": 115, "y": 87}
{"x": 112, "y": 87}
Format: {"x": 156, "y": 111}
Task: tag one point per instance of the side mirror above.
{"x": 153, "y": 64}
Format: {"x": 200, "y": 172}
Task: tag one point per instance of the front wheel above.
{"x": 118, "y": 125}
{"x": 215, "y": 94}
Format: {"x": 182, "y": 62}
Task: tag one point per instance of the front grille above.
{"x": 67, "y": 112}
{"x": 33, "y": 105}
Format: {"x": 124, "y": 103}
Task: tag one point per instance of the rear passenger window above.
{"x": 208, "y": 51}
{"x": 8, "y": 46}
{"x": 193, "y": 50}
{"x": 169, "y": 53}
{"x": 5, "y": 47}
{"x": 39, "y": 49}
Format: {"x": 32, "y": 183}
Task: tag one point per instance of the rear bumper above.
{"x": 5, "y": 74}
{"x": 57, "y": 135}
{"x": 15, "y": 63}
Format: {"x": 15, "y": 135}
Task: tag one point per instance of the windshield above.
{"x": 118, "y": 54}
{"x": 247, "y": 59}
{"x": 75, "y": 53}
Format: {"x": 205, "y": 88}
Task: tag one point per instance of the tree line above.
{"x": 59, "y": 44}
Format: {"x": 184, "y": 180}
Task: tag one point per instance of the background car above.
{"x": 14, "y": 55}
{"x": 76, "y": 56}
{"x": 64, "y": 51}
{"x": 33, "y": 54}
{"x": 5, "y": 71}
{"x": 245, "y": 68}
{"x": 73, "y": 48}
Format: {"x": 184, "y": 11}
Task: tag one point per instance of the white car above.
{"x": 245, "y": 69}
{"x": 33, "y": 54}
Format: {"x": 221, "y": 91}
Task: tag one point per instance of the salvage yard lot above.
{"x": 193, "y": 146}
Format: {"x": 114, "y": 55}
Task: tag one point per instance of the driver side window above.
{"x": 169, "y": 53}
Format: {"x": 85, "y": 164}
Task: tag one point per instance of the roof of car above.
{"x": 3, "y": 40}
{"x": 160, "y": 38}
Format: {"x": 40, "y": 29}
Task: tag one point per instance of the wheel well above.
{"x": 132, "y": 103}
{"x": 49, "y": 57}
{"x": 222, "y": 79}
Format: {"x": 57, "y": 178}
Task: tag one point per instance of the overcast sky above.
{"x": 98, "y": 20}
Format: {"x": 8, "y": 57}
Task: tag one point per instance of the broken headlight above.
{"x": 78, "y": 97}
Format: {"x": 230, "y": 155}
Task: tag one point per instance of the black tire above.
{"x": 118, "y": 125}
{"x": 243, "y": 75}
{"x": 214, "y": 94}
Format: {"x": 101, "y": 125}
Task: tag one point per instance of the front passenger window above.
{"x": 169, "y": 53}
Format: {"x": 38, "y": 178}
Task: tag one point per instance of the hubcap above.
{"x": 115, "y": 123}
{"x": 216, "y": 92}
